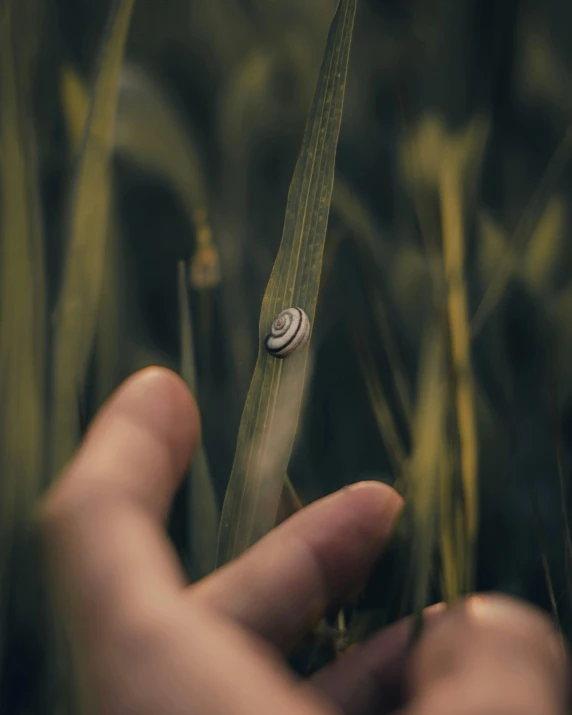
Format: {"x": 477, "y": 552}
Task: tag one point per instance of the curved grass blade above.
{"x": 203, "y": 512}
{"x": 152, "y": 133}
{"x": 78, "y": 303}
{"x": 270, "y": 416}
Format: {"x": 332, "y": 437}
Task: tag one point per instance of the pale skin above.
{"x": 146, "y": 642}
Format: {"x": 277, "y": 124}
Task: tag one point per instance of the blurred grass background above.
{"x": 449, "y": 231}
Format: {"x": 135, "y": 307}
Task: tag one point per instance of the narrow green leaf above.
{"x": 270, "y": 416}
{"x": 426, "y": 464}
{"x": 289, "y": 502}
{"x": 110, "y": 339}
{"x": 22, "y": 317}
{"x": 453, "y": 208}
{"x": 78, "y": 303}
{"x": 203, "y": 512}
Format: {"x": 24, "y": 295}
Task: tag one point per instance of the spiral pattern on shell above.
{"x": 289, "y": 332}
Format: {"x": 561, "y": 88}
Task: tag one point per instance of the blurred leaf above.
{"x": 22, "y": 331}
{"x": 522, "y": 234}
{"x": 456, "y": 158}
{"x": 420, "y": 151}
{"x": 548, "y": 245}
{"x": 421, "y": 156}
{"x": 110, "y": 329}
{"x": 374, "y": 255}
{"x": 409, "y": 282}
{"x": 203, "y": 511}
{"x": 247, "y": 107}
{"x": 270, "y": 416}
{"x": 112, "y": 317}
{"x": 542, "y": 76}
{"x": 289, "y": 501}
{"x": 80, "y": 293}
{"x": 560, "y": 310}
{"x": 424, "y": 468}
{"x": 75, "y": 101}
{"x": 149, "y": 130}
{"x": 380, "y": 406}
{"x": 245, "y": 104}
{"x": 23, "y": 284}
{"x": 491, "y": 245}
{"x": 152, "y": 133}
{"x": 226, "y": 26}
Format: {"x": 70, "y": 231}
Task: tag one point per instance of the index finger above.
{"x": 108, "y": 554}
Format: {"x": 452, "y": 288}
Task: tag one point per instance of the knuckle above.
{"x": 68, "y": 503}
{"x": 139, "y": 632}
{"x": 56, "y": 507}
{"x": 52, "y": 508}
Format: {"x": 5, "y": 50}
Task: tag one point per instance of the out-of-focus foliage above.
{"x": 446, "y": 286}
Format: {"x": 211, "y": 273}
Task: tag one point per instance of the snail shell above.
{"x": 289, "y": 332}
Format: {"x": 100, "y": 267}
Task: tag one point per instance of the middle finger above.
{"x": 283, "y": 585}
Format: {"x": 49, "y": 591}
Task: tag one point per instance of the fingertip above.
{"x": 486, "y": 627}
{"x": 160, "y": 402}
{"x": 138, "y": 446}
{"x": 378, "y": 504}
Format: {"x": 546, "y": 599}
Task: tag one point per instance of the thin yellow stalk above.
{"x": 460, "y": 342}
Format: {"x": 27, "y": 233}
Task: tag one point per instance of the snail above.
{"x": 289, "y": 332}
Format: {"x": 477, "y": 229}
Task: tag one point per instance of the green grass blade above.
{"x": 22, "y": 323}
{"x": 289, "y": 503}
{"x": 110, "y": 338}
{"x": 111, "y": 328}
{"x": 270, "y": 416}
{"x": 459, "y": 331}
{"x": 203, "y": 512}
{"x": 426, "y": 464}
{"x": 75, "y": 104}
{"x": 78, "y": 302}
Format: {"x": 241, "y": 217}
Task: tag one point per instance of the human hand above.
{"x": 145, "y": 642}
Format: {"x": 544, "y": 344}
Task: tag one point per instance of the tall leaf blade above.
{"x": 203, "y": 510}
{"x": 22, "y": 324}
{"x": 270, "y": 415}
{"x": 79, "y": 299}
{"x": 426, "y": 465}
